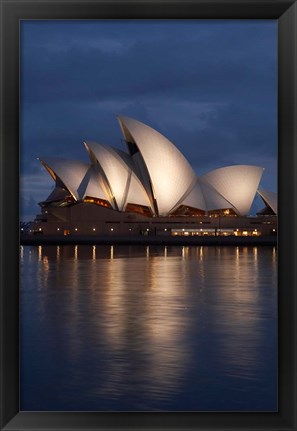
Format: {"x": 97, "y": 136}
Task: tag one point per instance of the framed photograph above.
{"x": 148, "y": 215}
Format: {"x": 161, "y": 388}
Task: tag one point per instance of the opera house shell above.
{"x": 151, "y": 179}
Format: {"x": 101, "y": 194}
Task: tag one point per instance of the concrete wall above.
{"x": 89, "y": 219}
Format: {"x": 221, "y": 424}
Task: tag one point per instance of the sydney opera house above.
{"x": 151, "y": 189}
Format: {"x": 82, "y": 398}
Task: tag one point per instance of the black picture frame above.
{"x": 285, "y": 11}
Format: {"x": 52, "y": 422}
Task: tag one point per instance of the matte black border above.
{"x": 286, "y": 13}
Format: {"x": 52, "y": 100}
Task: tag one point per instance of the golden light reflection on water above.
{"x": 147, "y": 310}
{"x": 274, "y": 259}
{"x": 39, "y": 252}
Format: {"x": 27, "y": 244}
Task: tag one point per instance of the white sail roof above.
{"x": 92, "y": 186}
{"x": 270, "y": 199}
{"x": 69, "y": 172}
{"x": 136, "y": 193}
{"x": 170, "y": 173}
{"x": 155, "y": 174}
{"x": 194, "y": 198}
{"x": 116, "y": 171}
{"x": 123, "y": 183}
{"x": 237, "y": 184}
{"x": 213, "y": 200}
{"x": 57, "y": 194}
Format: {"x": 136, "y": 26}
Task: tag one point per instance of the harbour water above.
{"x": 148, "y": 328}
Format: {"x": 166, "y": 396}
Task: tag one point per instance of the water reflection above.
{"x": 148, "y": 328}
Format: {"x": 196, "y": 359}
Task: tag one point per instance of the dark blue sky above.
{"x": 209, "y": 86}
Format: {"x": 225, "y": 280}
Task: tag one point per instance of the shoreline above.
{"x": 148, "y": 240}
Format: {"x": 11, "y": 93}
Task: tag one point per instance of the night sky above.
{"x": 209, "y": 86}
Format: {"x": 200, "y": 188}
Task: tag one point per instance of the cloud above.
{"x": 214, "y": 62}
{"x": 209, "y": 86}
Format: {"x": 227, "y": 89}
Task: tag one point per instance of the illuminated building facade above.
{"x": 151, "y": 189}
